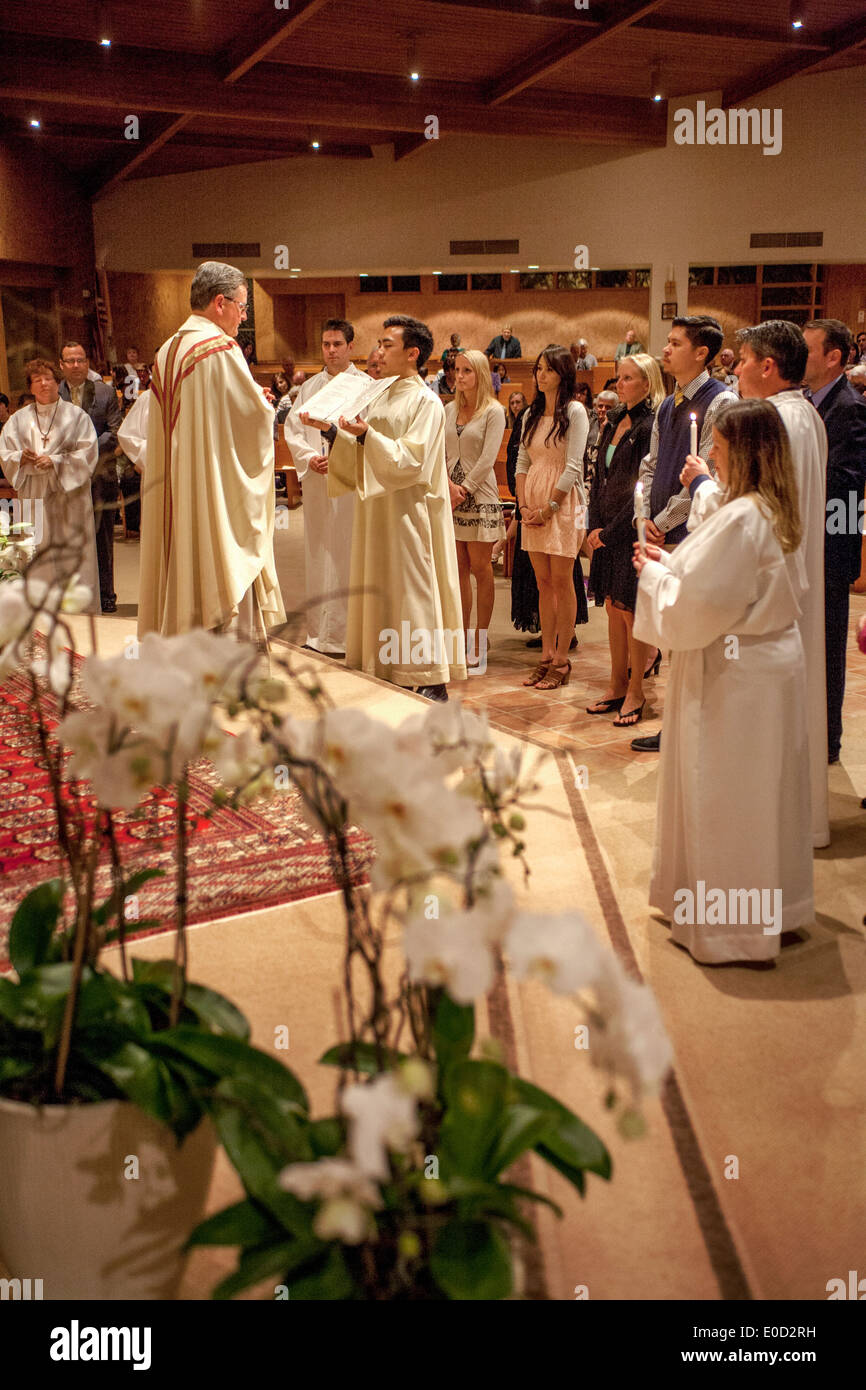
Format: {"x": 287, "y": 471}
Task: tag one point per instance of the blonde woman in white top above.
{"x": 474, "y": 426}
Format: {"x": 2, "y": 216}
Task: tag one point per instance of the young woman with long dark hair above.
{"x": 552, "y": 503}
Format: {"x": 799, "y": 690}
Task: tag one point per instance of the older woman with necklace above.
{"x": 49, "y": 451}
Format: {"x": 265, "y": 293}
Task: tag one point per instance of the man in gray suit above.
{"x": 99, "y": 402}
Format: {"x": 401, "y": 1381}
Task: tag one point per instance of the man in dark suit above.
{"x": 843, "y": 411}
{"x": 99, "y": 402}
{"x": 503, "y": 345}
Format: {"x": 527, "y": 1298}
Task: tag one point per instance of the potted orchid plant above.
{"x": 418, "y": 1185}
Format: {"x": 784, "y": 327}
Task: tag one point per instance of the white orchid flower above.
{"x": 382, "y": 1115}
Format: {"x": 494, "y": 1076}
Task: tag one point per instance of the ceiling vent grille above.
{"x": 221, "y": 250}
{"x": 786, "y": 239}
{"x": 485, "y": 248}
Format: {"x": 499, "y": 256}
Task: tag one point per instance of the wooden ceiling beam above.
{"x": 551, "y": 12}
{"x": 271, "y": 29}
{"x": 552, "y": 55}
{"x": 839, "y": 42}
{"x": 165, "y": 130}
{"x": 280, "y": 95}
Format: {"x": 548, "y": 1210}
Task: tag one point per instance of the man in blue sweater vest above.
{"x": 692, "y": 344}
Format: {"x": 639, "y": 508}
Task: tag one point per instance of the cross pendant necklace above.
{"x": 44, "y": 434}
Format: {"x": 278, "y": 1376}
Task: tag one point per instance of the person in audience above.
{"x": 857, "y": 378}
{"x": 693, "y": 342}
{"x": 610, "y": 535}
{"x": 733, "y": 793}
{"x": 597, "y": 421}
{"x": 299, "y": 376}
{"x": 504, "y": 345}
{"x": 724, "y": 369}
{"x": 474, "y": 426}
{"x": 843, "y": 412}
{"x": 629, "y": 347}
{"x": 583, "y": 358}
{"x": 404, "y": 575}
{"x": 517, "y": 403}
{"x": 861, "y": 347}
{"x": 452, "y": 349}
{"x": 100, "y": 403}
{"x": 495, "y": 378}
{"x": 552, "y": 502}
{"x": 209, "y": 458}
{"x": 502, "y": 369}
{"x": 4, "y": 409}
{"x": 49, "y": 451}
{"x": 248, "y": 349}
{"x": 137, "y": 372}
{"x": 374, "y": 365}
{"x": 327, "y": 520}
{"x": 445, "y": 382}
{"x": 773, "y": 358}
{"x": 280, "y": 385}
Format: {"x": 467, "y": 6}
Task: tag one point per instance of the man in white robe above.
{"x": 405, "y": 621}
{"x": 732, "y": 865}
{"x": 771, "y": 367}
{"x": 207, "y": 512}
{"x": 327, "y": 520}
{"x": 49, "y": 451}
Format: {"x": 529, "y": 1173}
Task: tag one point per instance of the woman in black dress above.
{"x": 524, "y": 589}
{"x": 611, "y": 533}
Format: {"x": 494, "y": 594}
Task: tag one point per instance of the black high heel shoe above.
{"x": 653, "y": 669}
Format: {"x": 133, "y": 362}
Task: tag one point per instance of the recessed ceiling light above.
{"x": 37, "y": 125}
{"x": 296, "y": 269}
{"x": 513, "y": 272}
{"x": 657, "y": 97}
{"x": 437, "y": 272}
{"x": 314, "y": 144}
{"x": 105, "y": 43}
{"x": 533, "y": 267}
{"x": 414, "y": 76}
{"x": 796, "y": 23}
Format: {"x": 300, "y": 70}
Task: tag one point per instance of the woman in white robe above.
{"x": 732, "y": 864}
{"x": 49, "y": 450}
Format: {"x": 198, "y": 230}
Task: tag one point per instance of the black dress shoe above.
{"x": 433, "y": 692}
{"x": 109, "y": 605}
{"x": 833, "y": 758}
{"x": 650, "y": 744}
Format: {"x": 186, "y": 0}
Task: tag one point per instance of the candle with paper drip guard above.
{"x": 693, "y": 434}
{"x": 641, "y": 520}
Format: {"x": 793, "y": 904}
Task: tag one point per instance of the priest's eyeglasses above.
{"x": 241, "y": 307}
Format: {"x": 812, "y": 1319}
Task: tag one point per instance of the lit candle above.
{"x": 693, "y": 434}
{"x": 641, "y": 520}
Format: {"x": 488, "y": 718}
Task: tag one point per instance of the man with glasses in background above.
{"x": 207, "y": 520}
{"x": 99, "y": 402}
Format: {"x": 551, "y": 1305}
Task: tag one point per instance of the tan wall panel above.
{"x": 735, "y": 307}
{"x": 146, "y": 309}
{"x": 845, "y": 296}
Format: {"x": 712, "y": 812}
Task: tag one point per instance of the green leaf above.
{"x": 471, "y": 1260}
{"x": 331, "y": 1282}
{"x": 453, "y": 1031}
{"x": 137, "y": 1074}
{"x": 225, "y": 1056}
{"x": 523, "y": 1128}
{"x": 12, "y": 1067}
{"x": 475, "y": 1096}
{"x": 263, "y": 1262}
{"x": 216, "y": 1010}
{"x": 570, "y": 1145}
{"x": 242, "y": 1224}
{"x": 327, "y": 1137}
{"x": 39, "y": 1001}
{"x": 361, "y": 1057}
{"x": 33, "y": 925}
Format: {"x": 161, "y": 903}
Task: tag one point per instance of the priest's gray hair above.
{"x": 213, "y": 278}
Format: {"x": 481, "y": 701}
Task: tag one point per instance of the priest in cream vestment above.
{"x": 732, "y": 865}
{"x": 207, "y": 518}
{"x": 405, "y": 621}
{"x": 327, "y": 520}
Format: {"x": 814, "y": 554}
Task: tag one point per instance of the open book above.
{"x": 345, "y": 394}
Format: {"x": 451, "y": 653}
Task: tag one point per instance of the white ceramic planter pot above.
{"x": 72, "y": 1211}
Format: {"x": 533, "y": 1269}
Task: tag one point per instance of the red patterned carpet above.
{"x": 253, "y": 857}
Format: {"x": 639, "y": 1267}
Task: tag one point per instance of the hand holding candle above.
{"x": 641, "y": 522}
{"x": 693, "y": 433}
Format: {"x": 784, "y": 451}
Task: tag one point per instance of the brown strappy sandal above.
{"x": 538, "y": 674}
{"x": 554, "y": 678}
